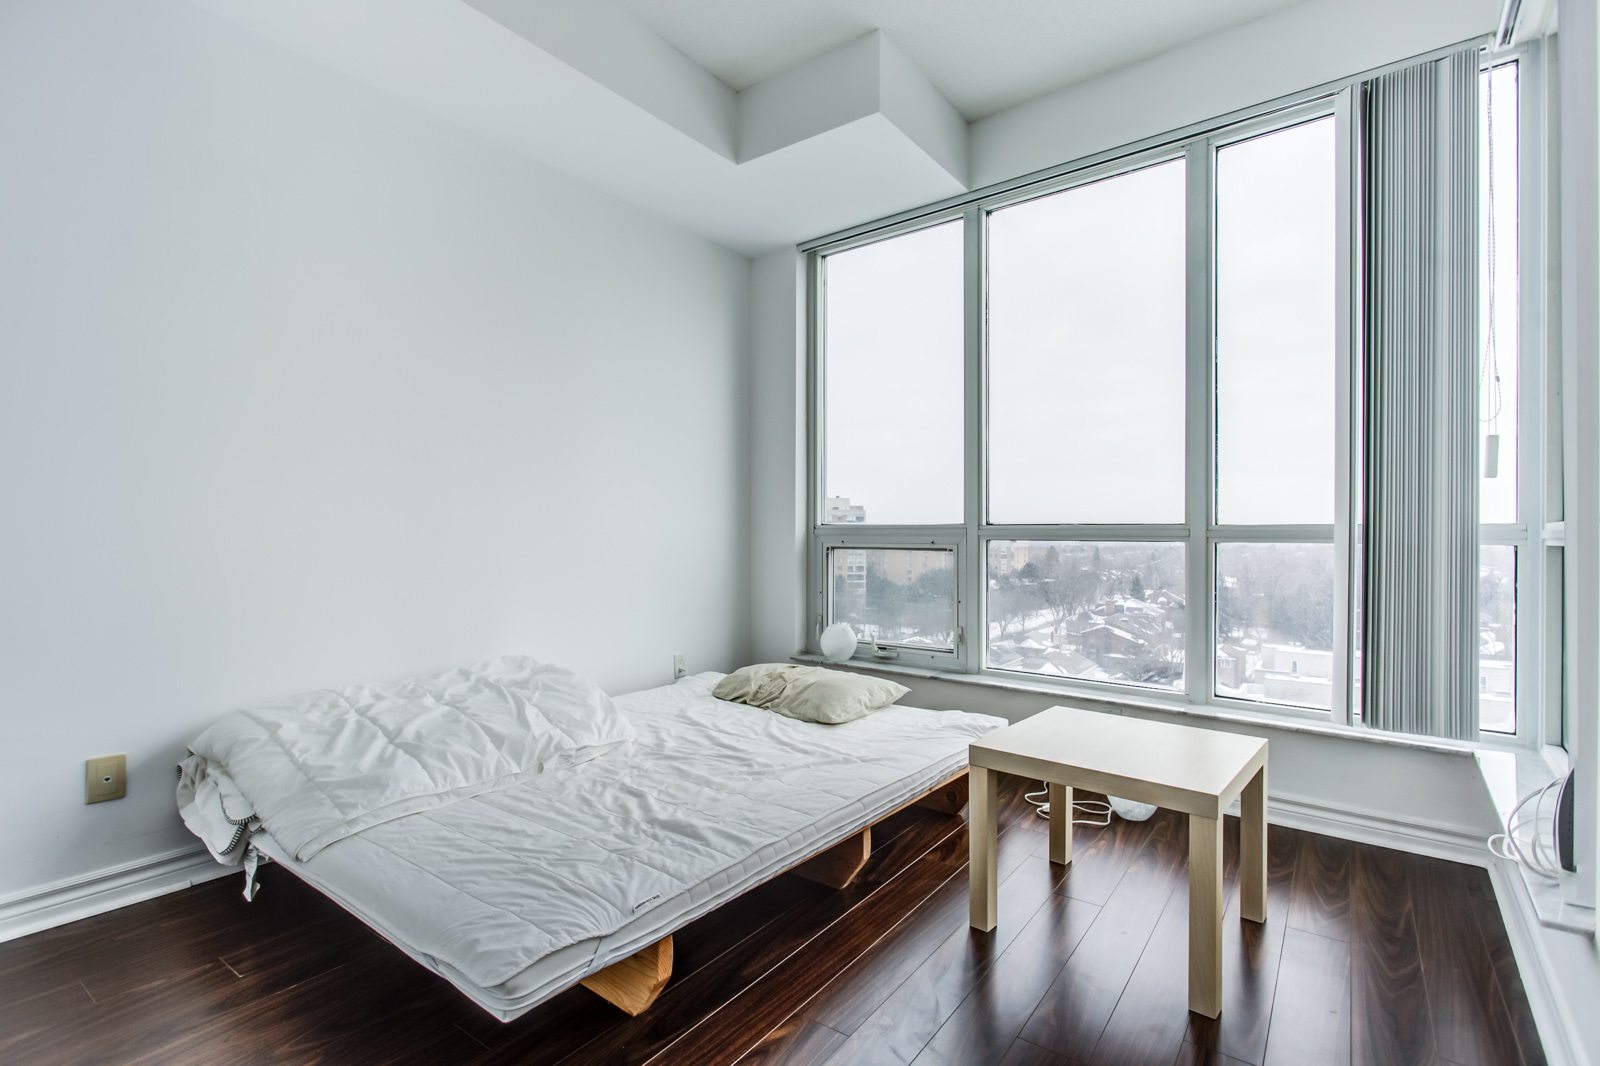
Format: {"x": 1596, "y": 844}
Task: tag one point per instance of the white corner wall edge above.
{"x": 1563, "y": 1046}
{"x": 107, "y": 890}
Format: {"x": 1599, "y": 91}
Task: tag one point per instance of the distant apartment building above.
{"x": 903, "y": 566}
{"x": 841, "y": 511}
{"x": 1280, "y": 673}
{"x": 851, "y": 563}
{"x": 1006, "y": 558}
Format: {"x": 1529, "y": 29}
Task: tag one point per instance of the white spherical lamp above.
{"x": 838, "y": 642}
{"x": 1132, "y": 810}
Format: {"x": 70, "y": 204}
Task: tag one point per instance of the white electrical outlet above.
{"x": 680, "y": 666}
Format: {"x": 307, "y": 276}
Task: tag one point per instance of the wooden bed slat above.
{"x": 948, "y": 797}
{"x": 635, "y": 982}
{"x": 840, "y": 863}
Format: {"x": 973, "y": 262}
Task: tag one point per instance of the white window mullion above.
{"x": 972, "y": 577}
{"x": 816, "y": 576}
{"x": 1199, "y": 617}
{"x": 1347, "y": 418}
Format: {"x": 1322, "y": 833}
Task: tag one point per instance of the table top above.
{"x": 1197, "y": 771}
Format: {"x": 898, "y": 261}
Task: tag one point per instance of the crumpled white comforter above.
{"x": 318, "y": 767}
{"x": 709, "y": 795}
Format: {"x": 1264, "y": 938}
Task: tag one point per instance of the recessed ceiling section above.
{"x": 756, "y": 124}
{"x": 983, "y": 57}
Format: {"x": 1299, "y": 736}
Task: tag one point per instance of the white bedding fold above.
{"x": 317, "y": 768}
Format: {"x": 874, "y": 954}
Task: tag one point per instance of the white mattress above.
{"x": 499, "y": 893}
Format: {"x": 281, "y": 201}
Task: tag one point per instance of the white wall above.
{"x": 1293, "y": 49}
{"x": 779, "y": 619}
{"x": 300, "y": 387}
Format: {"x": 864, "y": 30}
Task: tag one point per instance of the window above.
{"x": 1498, "y": 274}
{"x": 1499, "y": 320}
{"x": 1092, "y": 610}
{"x": 1086, "y": 353}
{"x": 893, "y": 379}
{"x": 1497, "y": 638}
{"x": 1098, "y": 429}
{"x": 1276, "y": 306}
{"x": 895, "y": 596}
{"x": 1276, "y": 254}
{"x": 1275, "y": 623}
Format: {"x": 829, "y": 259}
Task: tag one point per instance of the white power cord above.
{"x": 1510, "y": 845}
{"x": 1041, "y": 807}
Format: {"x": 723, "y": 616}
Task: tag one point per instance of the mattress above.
{"x": 500, "y": 893}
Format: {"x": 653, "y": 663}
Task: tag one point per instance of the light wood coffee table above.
{"x": 1196, "y": 771}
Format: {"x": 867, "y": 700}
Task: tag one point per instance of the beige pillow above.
{"x": 809, "y": 693}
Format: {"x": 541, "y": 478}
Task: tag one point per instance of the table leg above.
{"x": 1060, "y": 823}
{"x": 1205, "y": 915}
{"x": 1253, "y": 848}
{"x": 982, "y": 829}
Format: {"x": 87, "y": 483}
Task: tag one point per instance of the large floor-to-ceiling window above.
{"x": 1102, "y": 431}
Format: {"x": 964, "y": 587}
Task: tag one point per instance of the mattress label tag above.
{"x": 652, "y": 899}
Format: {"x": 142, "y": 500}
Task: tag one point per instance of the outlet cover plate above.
{"x": 106, "y": 779}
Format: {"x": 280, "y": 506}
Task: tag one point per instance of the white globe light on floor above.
{"x": 838, "y": 642}
{"x": 1132, "y": 810}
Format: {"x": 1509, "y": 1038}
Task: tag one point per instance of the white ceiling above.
{"x": 983, "y": 55}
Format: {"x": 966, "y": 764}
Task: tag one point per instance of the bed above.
{"x": 580, "y": 868}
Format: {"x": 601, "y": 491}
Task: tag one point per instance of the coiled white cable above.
{"x": 1041, "y": 807}
{"x": 1542, "y": 859}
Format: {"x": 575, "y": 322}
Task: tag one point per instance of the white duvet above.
{"x": 316, "y": 768}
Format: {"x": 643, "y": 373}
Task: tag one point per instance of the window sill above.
{"x": 1286, "y": 722}
{"x": 1510, "y": 775}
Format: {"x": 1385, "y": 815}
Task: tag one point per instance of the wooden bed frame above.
{"x": 635, "y": 982}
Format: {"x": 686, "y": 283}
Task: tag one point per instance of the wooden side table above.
{"x": 1195, "y": 771}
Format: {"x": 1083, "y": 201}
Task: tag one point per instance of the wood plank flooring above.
{"x": 1367, "y": 956}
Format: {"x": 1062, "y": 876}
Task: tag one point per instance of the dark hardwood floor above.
{"x": 1368, "y": 956}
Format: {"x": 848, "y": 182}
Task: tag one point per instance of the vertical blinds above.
{"x": 1420, "y": 127}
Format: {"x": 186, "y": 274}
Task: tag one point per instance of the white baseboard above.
{"x": 106, "y": 890}
{"x": 1423, "y": 837}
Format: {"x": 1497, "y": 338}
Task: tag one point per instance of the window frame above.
{"x": 1200, "y": 533}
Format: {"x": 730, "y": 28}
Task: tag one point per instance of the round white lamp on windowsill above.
{"x": 838, "y": 642}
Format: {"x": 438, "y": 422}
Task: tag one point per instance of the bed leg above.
{"x": 840, "y": 863}
{"x": 949, "y": 797}
{"x": 635, "y": 982}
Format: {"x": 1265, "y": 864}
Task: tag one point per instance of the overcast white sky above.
{"x": 1086, "y": 353}
{"x": 893, "y": 377}
{"x": 1497, "y": 500}
{"x": 1276, "y": 258}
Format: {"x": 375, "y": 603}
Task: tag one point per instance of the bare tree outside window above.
{"x": 1097, "y": 611}
{"x": 1497, "y": 638}
{"x": 904, "y": 597}
{"x": 1275, "y": 623}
